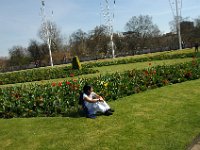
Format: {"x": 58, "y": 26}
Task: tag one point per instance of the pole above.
{"x": 109, "y": 18}
{"x": 113, "y": 48}
{"x": 178, "y": 26}
{"x": 48, "y": 28}
{"x": 112, "y": 45}
{"x": 50, "y": 54}
{"x": 49, "y": 43}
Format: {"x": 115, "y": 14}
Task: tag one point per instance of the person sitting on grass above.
{"x": 94, "y": 103}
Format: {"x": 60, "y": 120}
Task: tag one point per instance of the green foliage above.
{"x": 60, "y": 99}
{"x": 76, "y": 63}
{"x": 135, "y": 60}
{"x": 45, "y": 100}
{"x": 41, "y": 74}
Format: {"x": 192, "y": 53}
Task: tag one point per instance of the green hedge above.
{"x": 60, "y": 99}
{"x": 39, "y": 74}
{"x": 135, "y": 60}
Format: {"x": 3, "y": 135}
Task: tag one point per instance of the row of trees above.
{"x": 140, "y": 34}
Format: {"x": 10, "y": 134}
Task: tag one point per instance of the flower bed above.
{"x": 60, "y": 99}
{"x": 119, "y": 85}
{"x": 41, "y": 74}
{"x": 135, "y": 60}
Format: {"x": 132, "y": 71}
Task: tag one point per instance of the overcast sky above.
{"x": 20, "y": 19}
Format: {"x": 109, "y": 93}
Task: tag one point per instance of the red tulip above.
{"x": 71, "y": 75}
{"x": 75, "y": 80}
{"x": 68, "y": 83}
{"x": 146, "y": 72}
{"x": 60, "y": 84}
{"x": 53, "y": 84}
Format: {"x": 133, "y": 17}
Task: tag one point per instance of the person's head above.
{"x": 88, "y": 89}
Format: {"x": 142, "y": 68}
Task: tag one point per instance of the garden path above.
{"x": 195, "y": 144}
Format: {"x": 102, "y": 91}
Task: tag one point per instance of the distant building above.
{"x": 186, "y": 27}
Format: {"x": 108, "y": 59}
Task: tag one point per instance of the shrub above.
{"x": 41, "y": 74}
{"x": 76, "y": 63}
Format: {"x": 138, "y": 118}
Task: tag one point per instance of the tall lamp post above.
{"x": 47, "y": 30}
{"x": 109, "y": 21}
{"x": 177, "y": 15}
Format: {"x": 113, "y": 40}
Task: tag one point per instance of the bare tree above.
{"x": 3, "y": 62}
{"x": 142, "y": 30}
{"x": 78, "y": 42}
{"x": 55, "y": 34}
{"x": 197, "y": 22}
{"x": 18, "y": 56}
{"x": 34, "y": 50}
{"x": 98, "y": 40}
{"x": 37, "y": 52}
{"x": 143, "y": 26}
{"x": 173, "y": 23}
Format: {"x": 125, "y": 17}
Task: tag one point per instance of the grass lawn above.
{"x": 172, "y": 52}
{"x": 112, "y": 69}
{"x": 167, "y": 118}
{"x": 141, "y": 65}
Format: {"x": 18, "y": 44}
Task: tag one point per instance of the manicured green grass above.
{"x": 112, "y": 69}
{"x": 125, "y": 67}
{"x": 172, "y": 52}
{"x": 162, "y": 119}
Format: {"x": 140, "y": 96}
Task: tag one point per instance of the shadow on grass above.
{"x": 71, "y": 114}
{"x": 80, "y": 114}
{"x": 76, "y": 114}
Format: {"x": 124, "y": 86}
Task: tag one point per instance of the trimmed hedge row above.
{"x": 63, "y": 72}
{"x": 135, "y": 60}
{"x": 41, "y": 74}
{"x": 61, "y": 99}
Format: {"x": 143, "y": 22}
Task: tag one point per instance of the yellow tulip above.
{"x": 106, "y": 84}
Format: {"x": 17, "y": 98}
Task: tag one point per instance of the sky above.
{"x": 20, "y": 20}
